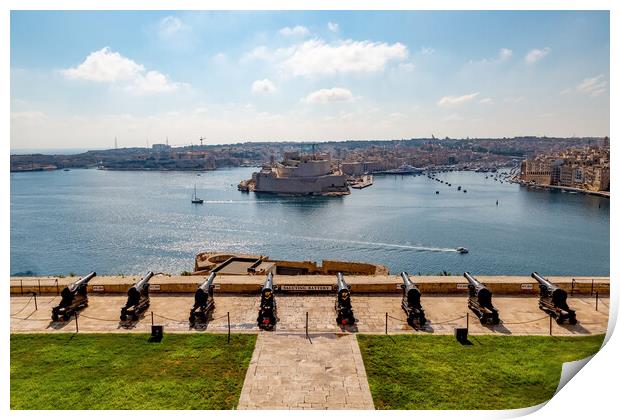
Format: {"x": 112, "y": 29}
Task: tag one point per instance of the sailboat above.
{"x": 195, "y": 199}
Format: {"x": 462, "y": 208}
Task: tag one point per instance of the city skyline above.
{"x": 307, "y": 76}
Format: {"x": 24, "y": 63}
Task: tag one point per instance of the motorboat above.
{"x": 462, "y": 250}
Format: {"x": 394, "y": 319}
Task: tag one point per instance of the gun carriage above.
{"x": 137, "y": 299}
{"x": 203, "y": 302}
{"x": 552, "y": 300}
{"x": 73, "y": 298}
{"x": 267, "y": 311}
{"x": 344, "y": 310}
{"x": 480, "y": 301}
{"x": 411, "y": 302}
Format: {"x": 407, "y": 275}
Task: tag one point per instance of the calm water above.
{"x": 130, "y": 222}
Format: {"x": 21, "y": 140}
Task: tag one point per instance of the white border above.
{"x": 591, "y": 394}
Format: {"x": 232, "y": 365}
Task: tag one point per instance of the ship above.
{"x": 299, "y": 174}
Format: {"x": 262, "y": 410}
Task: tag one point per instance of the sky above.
{"x": 82, "y": 79}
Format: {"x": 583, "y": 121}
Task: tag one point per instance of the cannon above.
{"x": 480, "y": 301}
{"x": 137, "y": 299}
{"x": 267, "y": 311}
{"x": 73, "y": 298}
{"x": 344, "y": 311}
{"x": 411, "y": 302}
{"x": 552, "y": 300}
{"x": 203, "y": 302}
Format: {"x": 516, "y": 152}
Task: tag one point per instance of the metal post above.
{"x": 57, "y": 290}
{"x": 36, "y": 308}
{"x": 592, "y": 288}
{"x": 467, "y": 315}
{"x": 596, "y": 308}
{"x": 550, "y": 325}
{"x": 307, "y": 326}
{"x": 77, "y": 328}
{"x": 228, "y": 317}
{"x": 21, "y": 286}
{"x": 386, "y": 317}
{"x": 572, "y": 287}
{"x": 152, "y": 319}
{"x": 39, "y": 280}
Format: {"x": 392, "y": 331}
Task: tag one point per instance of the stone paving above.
{"x": 520, "y": 315}
{"x": 290, "y": 371}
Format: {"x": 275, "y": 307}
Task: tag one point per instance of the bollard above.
{"x": 34, "y": 295}
{"x": 596, "y": 308}
{"x": 77, "y": 328}
{"x": 386, "y": 317}
{"x": 228, "y": 317}
{"x": 550, "y": 325}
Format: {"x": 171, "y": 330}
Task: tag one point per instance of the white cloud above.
{"x": 263, "y": 86}
{"x": 536, "y": 55}
{"x": 452, "y": 101}
{"x": 594, "y": 86}
{"x": 170, "y": 25}
{"x": 486, "y": 101}
{"x": 296, "y": 31}
{"x": 406, "y": 66}
{"x": 107, "y": 66}
{"x": 315, "y": 57}
{"x": 324, "y": 96}
{"x": 427, "y": 51}
{"x": 333, "y": 26}
{"x": 505, "y": 54}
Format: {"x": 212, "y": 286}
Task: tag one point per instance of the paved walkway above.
{"x": 288, "y": 371}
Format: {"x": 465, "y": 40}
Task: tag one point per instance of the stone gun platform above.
{"x": 520, "y": 314}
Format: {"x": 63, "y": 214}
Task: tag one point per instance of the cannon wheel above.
{"x": 572, "y": 321}
{"x": 55, "y": 317}
{"x": 123, "y": 317}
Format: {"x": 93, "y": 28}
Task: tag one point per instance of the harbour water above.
{"x": 129, "y": 222}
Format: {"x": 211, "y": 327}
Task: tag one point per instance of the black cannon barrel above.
{"x": 82, "y": 281}
{"x": 341, "y": 283}
{"x": 203, "y": 291}
{"x": 268, "y": 285}
{"x": 543, "y": 281}
{"x": 144, "y": 282}
{"x": 406, "y": 280}
{"x": 206, "y": 285}
{"x": 472, "y": 280}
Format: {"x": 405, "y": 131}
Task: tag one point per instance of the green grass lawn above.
{"x": 436, "y": 372}
{"x": 125, "y": 371}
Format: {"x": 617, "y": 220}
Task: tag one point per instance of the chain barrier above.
{"x": 524, "y": 322}
{"x": 98, "y": 319}
{"x": 448, "y": 321}
{"x": 397, "y": 319}
{"x": 24, "y": 307}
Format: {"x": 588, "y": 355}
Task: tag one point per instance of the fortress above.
{"x": 299, "y": 174}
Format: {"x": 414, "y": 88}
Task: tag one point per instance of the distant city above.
{"x": 355, "y": 157}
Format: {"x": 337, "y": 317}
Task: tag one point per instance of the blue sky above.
{"x": 79, "y": 79}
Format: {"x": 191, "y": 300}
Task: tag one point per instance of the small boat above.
{"x": 462, "y": 250}
{"x": 459, "y": 188}
{"x": 66, "y": 169}
{"x": 464, "y": 191}
{"x": 195, "y": 199}
{"x": 436, "y": 192}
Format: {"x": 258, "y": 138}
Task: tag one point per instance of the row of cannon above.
{"x": 552, "y": 300}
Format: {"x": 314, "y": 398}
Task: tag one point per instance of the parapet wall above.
{"x": 502, "y": 285}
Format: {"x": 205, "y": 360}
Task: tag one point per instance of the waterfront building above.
{"x": 300, "y": 174}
